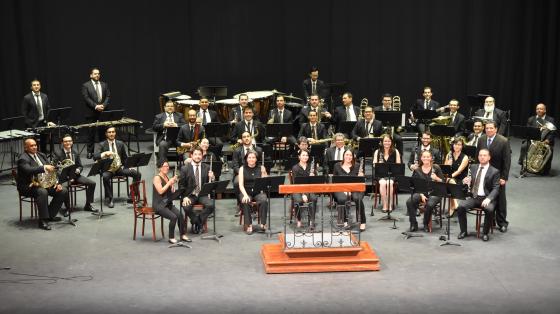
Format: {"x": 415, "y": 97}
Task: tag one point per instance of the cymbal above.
{"x": 484, "y": 119}
{"x": 183, "y": 97}
{"x": 277, "y": 92}
{"x": 292, "y": 97}
{"x": 189, "y": 102}
{"x": 294, "y": 105}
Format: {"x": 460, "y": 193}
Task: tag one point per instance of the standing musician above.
{"x": 247, "y": 175}
{"x": 253, "y": 126}
{"x": 426, "y": 140}
{"x": 337, "y": 151}
{"x": 484, "y": 185}
{"x": 431, "y": 172}
{"x": 115, "y": 149}
{"x": 347, "y": 112}
{"x": 35, "y": 109}
{"x": 313, "y": 130}
{"x": 367, "y": 127}
{"x": 457, "y": 119}
{"x": 500, "y": 151}
{"x": 193, "y": 176}
{"x": 387, "y": 105}
{"x": 314, "y": 106}
{"x": 236, "y": 114}
{"x": 163, "y": 204}
{"x": 96, "y": 97}
{"x": 348, "y": 167}
{"x": 281, "y": 115}
{"x": 67, "y": 151}
{"x": 163, "y": 121}
{"x": 190, "y": 133}
{"x": 206, "y": 115}
{"x": 31, "y": 165}
{"x": 491, "y": 112}
{"x": 313, "y": 85}
{"x": 478, "y": 128}
{"x": 304, "y": 168}
{"x": 427, "y": 103}
{"x": 386, "y": 154}
{"x": 542, "y": 121}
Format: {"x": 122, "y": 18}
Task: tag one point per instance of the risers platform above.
{"x": 315, "y": 260}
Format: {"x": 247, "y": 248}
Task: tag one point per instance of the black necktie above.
{"x": 192, "y": 132}
{"x": 197, "y": 179}
{"x": 68, "y": 156}
{"x": 204, "y": 116}
{"x": 476, "y": 182}
{"x": 487, "y": 115}
{"x": 426, "y": 104}
{"x": 249, "y": 128}
{"x": 314, "y": 87}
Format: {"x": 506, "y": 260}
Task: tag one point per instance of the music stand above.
{"x": 407, "y": 184}
{"x": 310, "y": 180}
{"x": 390, "y": 118}
{"x": 526, "y": 133}
{"x": 98, "y": 168}
{"x": 422, "y": 116}
{"x": 269, "y": 184}
{"x": 389, "y": 171}
{"x": 330, "y": 165}
{"x": 59, "y": 114}
{"x": 290, "y": 162}
{"x": 178, "y": 195}
{"x": 446, "y": 191}
{"x": 470, "y": 151}
{"x": 346, "y": 127}
{"x": 317, "y": 151}
{"x": 214, "y": 188}
{"x": 68, "y": 174}
{"x": 446, "y": 170}
{"x": 111, "y": 115}
{"x": 214, "y": 129}
{"x": 367, "y": 146}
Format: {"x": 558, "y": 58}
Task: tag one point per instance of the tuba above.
{"x": 537, "y": 156}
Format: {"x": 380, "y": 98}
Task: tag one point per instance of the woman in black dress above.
{"x": 348, "y": 167}
{"x": 386, "y": 154}
{"x": 303, "y": 169}
{"x": 247, "y": 175}
{"x": 459, "y": 163}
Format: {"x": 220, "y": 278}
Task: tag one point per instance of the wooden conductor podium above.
{"x": 279, "y": 258}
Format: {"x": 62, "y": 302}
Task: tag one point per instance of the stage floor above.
{"x": 517, "y": 271}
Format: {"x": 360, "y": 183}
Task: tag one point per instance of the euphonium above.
{"x": 537, "y": 156}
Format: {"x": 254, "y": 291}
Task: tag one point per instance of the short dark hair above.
{"x": 386, "y": 95}
{"x": 65, "y": 136}
{"x": 198, "y": 148}
{"x": 93, "y": 69}
{"x": 314, "y": 68}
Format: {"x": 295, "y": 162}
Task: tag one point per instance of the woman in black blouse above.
{"x": 247, "y": 175}
{"x": 303, "y": 169}
{"x": 431, "y": 172}
{"x": 386, "y": 154}
{"x": 348, "y": 167}
{"x": 459, "y": 163}
{"x": 206, "y": 154}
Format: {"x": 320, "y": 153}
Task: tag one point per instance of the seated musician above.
{"x": 281, "y": 115}
{"x": 387, "y": 105}
{"x": 336, "y": 152}
{"x": 427, "y": 170}
{"x": 247, "y": 175}
{"x": 457, "y": 119}
{"x": 163, "y": 121}
{"x": 207, "y": 155}
{"x": 322, "y": 112}
{"x": 540, "y": 120}
{"x": 206, "y": 115}
{"x": 478, "y": 127}
{"x": 163, "y": 204}
{"x": 348, "y": 167}
{"x": 347, "y": 112}
{"x": 236, "y": 114}
{"x": 484, "y": 185}
{"x": 426, "y": 103}
{"x": 304, "y": 169}
{"x": 253, "y": 126}
{"x": 426, "y": 140}
{"x": 31, "y": 166}
{"x": 115, "y": 149}
{"x": 190, "y": 133}
{"x": 67, "y": 151}
{"x": 35, "y": 109}
{"x": 313, "y": 130}
{"x": 367, "y": 127}
{"x": 490, "y": 112}
{"x": 193, "y": 176}
{"x": 386, "y": 154}
{"x": 302, "y": 144}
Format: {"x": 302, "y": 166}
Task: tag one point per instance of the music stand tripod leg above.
{"x": 214, "y": 235}
{"x": 269, "y": 231}
{"x": 448, "y": 241}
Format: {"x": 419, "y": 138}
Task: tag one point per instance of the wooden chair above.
{"x": 141, "y": 209}
{"x": 73, "y": 189}
{"x": 33, "y": 205}
{"x": 118, "y": 180}
{"x": 377, "y": 195}
{"x": 479, "y": 213}
{"x": 254, "y": 210}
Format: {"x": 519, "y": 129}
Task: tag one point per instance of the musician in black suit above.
{"x": 67, "y": 151}
{"x": 236, "y": 113}
{"x": 96, "y": 97}
{"x": 457, "y": 119}
{"x": 109, "y": 149}
{"x": 190, "y": 132}
{"x": 193, "y": 176}
{"x": 167, "y": 119}
{"x": 205, "y": 116}
{"x": 478, "y": 131}
{"x": 387, "y": 105}
{"x": 500, "y": 153}
{"x": 540, "y": 120}
{"x": 35, "y": 109}
{"x": 313, "y": 130}
{"x": 314, "y": 102}
{"x": 313, "y": 85}
{"x": 347, "y": 112}
{"x": 367, "y": 127}
{"x": 425, "y": 144}
{"x": 30, "y": 165}
{"x": 240, "y": 152}
{"x": 281, "y": 115}
{"x": 491, "y": 112}
{"x": 484, "y": 185}
{"x": 337, "y": 151}
{"x": 250, "y": 125}
{"x": 427, "y": 103}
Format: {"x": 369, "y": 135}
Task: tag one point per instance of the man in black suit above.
{"x": 167, "y": 119}
{"x": 67, "y": 151}
{"x": 206, "y": 116}
{"x": 31, "y": 165}
{"x": 500, "y": 151}
{"x": 35, "y": 109}
{"x": 236, "y": 113}
{"x": 347, "y": 112}
{"x": 281, "y": 115}
{"x": 484, "y": 186}
{"x": 492, "y": 113}
{"x": 193, "y": 176}
{"x": 313, "y": 130}
{"x": 478, "y": 131}
{"x": 313, "y": 85}
{"x": 425, "y": 144}
{"x": 188, "y": 133}
{"x": 314, "y": 101}
{"x": 240, "y": 152}
{"x": 336, "y": 153}
{"x": 110, "y": 148}
{"x": 367, "y": 127}
{"x": 96, "y": 97}
{"x": 540, "y": 121}
{"x": 387, "y": 105}
{"x": 427, "y": 103}
{"x": 250, "y": 125}
{"x": 457, "y": 119}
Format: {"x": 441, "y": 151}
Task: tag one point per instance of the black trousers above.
{"x": 501, "y": 208}
{"x": 41, "y": 196}
{"x": 465, "y": 205}
{"x": 100, "y": 131}
{"x": 207, "y": 210}
{"x": 90, "y": 190}
{"x": 311, "y": 198}
{"x": 136, "y": 176}
{"x": 262, "y": 207}
{"x": 412, "y": 205}
{"x": 174, "y": 215}
{"x": 358, "y": 198}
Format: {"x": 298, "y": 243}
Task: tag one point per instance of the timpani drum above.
{"x": 262, "y": 102}
{"x": 224, "y": 107}
{"x": 183, "y": 106}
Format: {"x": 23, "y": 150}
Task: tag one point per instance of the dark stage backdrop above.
{"x": 509, "y": 49}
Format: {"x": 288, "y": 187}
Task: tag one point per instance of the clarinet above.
{"x": 210, "y": 179}
{"x": 361, "y": 166}
{"x": 312, "y": 167}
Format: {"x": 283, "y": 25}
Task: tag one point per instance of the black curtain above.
{"x": 509, "y": 49}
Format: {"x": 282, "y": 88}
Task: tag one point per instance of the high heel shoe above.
{"x": 185, "y": 238}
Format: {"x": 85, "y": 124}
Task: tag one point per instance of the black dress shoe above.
{"x": 111, "y": 204}
{"x": 89, "y": 155}
{"x": 55, "y": 219}
{"x": 426, "y": 229}
{"x": 485, "y": 237}
{"x": 65, "y": 212}
{"x": 129, "y": 201}
{"x": 44, "y": 225}
{"x": 413, "y": 227}
{"x": 503, "y": 228}
{"x": 462, "y": 235}
{"x": 89, "y": 208}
